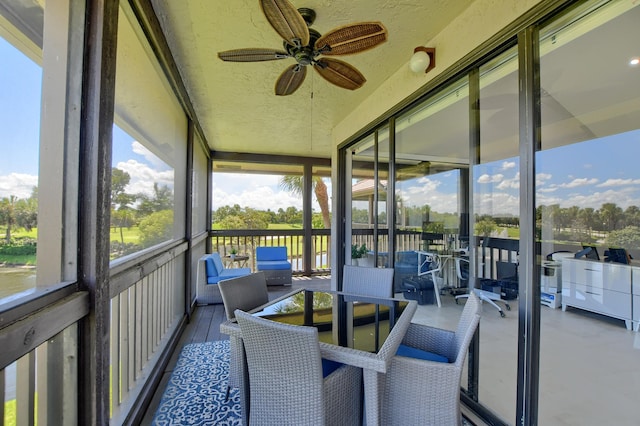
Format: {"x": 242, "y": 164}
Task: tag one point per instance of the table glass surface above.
{"x": 353, "y": 321}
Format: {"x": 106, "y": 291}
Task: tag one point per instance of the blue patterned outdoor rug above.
{"x": 195, "y": 394}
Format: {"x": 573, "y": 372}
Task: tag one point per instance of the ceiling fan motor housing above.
{"x": 304, "y": 55}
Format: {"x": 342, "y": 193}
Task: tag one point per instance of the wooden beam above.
{"x": 98, "y": 94}
{"x": 30, "y": 332}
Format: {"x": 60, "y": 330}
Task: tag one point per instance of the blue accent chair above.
{"x": 274, "y": 263}
{"x": 211, "y": 271}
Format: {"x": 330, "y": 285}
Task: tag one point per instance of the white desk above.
{"x": 602, "y": 287}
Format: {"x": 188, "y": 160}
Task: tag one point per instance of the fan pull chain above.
{"x": 311, "y": 116}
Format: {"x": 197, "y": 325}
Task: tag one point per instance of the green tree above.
{"x": 162, "y": 199}
{"x": 628, "y": 238}
{"x": 232, "y": 222}
{"x": 317, "y": 221}
{"x": 122, "y": 215}
{"x": 552, "y": 215}
{"x": 610, "y": 214}
{"x": 224, "y": 211}
{"x": 293, "y": 215}
{"x": 435, "y": 227}
{"x": 27, "y": 211}
{"x": 8, "y": 215}
{"x": 236, "y": 217}
{"x": 255, "y": 219}
{"x": 589, "y": 218}
{"x": 156, "y": 228}
{"x": 119, "y": 181}
{"x": 123, "y": 218}
{"x": 294, "y": 184}
{"x": 359, "y": 215}
{"x": 485, "y": 227}
{"x": 572, "y": 214}
{"x": 632, "y": 216}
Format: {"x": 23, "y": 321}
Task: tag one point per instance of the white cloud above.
{"x": 510, "y": 183}
{"x": 549, "y": 189}
{"x": 579, "y": 182}
{"x": 618, "y": 182}
{"x": 17, "y": 184}
{"x": 508, "y": 165}
{"x": 256, "y": 191}
{"x": 486, "y": 178}
{"x": 542, "y": 199}
{"x": 426, "y": 184}
{"x": 149, "y": 156}
{"x": 542, "y": 178}
{"x": 143, "y": 177}
{"x": 497, "y": 203}
{"x": 426, "y": 192}
{"x": 261, "y": 198}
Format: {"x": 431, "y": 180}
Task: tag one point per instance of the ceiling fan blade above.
{"x": 354, "y": 38}
{"x": 340, "y": 73}
{"x": 252, "y": 55}
{"x": 287, "y": 21}
{"x": 290, "y": 80}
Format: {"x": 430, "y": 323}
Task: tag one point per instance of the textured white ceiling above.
{"x": 235, "y": 102}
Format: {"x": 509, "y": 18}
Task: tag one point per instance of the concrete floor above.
{"x": 589, "y": 364}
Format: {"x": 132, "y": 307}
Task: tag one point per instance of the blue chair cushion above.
{"x": 410, "y": 352}
{"x": 212, "y": 271}
{"x": 271, "y": 253}
{"x": 216, "y": 271}
{"x": 263, "y": 265}
{"x": 329, "y": 366}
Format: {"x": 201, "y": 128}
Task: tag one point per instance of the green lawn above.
{"x": 280, "y": 226}
{"x": 129, "y": 235}
{"x": 8, "y": 259}
{"x": 10, "y": 413}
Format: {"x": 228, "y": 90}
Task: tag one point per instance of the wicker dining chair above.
{"x": 367, "y": 281}
{"x": 246, "y": 292}
{"x": 287, "y": 384}
{"x": 422, "y": 384}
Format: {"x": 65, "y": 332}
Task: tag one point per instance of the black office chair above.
{"x": 462, "y": 270}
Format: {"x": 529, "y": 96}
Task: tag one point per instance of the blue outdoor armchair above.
{"x": 273, "y": 261}
{"x": 211, "y": 271}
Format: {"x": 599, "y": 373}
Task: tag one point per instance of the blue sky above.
{"x": 19, "y": 121}
{"x": 585, "y": 174}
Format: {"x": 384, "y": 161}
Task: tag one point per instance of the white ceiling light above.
{"x": 423, "y": 59}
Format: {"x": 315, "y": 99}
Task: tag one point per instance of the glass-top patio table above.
{"x": 361, "y": 331}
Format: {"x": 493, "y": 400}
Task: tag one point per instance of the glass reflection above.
{"x": 587, "y": 204}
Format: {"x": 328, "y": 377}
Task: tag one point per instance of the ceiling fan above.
{"x": 308, "y": 47}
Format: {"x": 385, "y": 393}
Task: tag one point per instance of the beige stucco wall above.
{"x": 477, "y": 24}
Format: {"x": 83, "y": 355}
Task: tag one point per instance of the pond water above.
{"x": 14, "y": 281}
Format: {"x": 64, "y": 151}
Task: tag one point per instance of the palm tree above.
{"x": 294, "y": 185}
